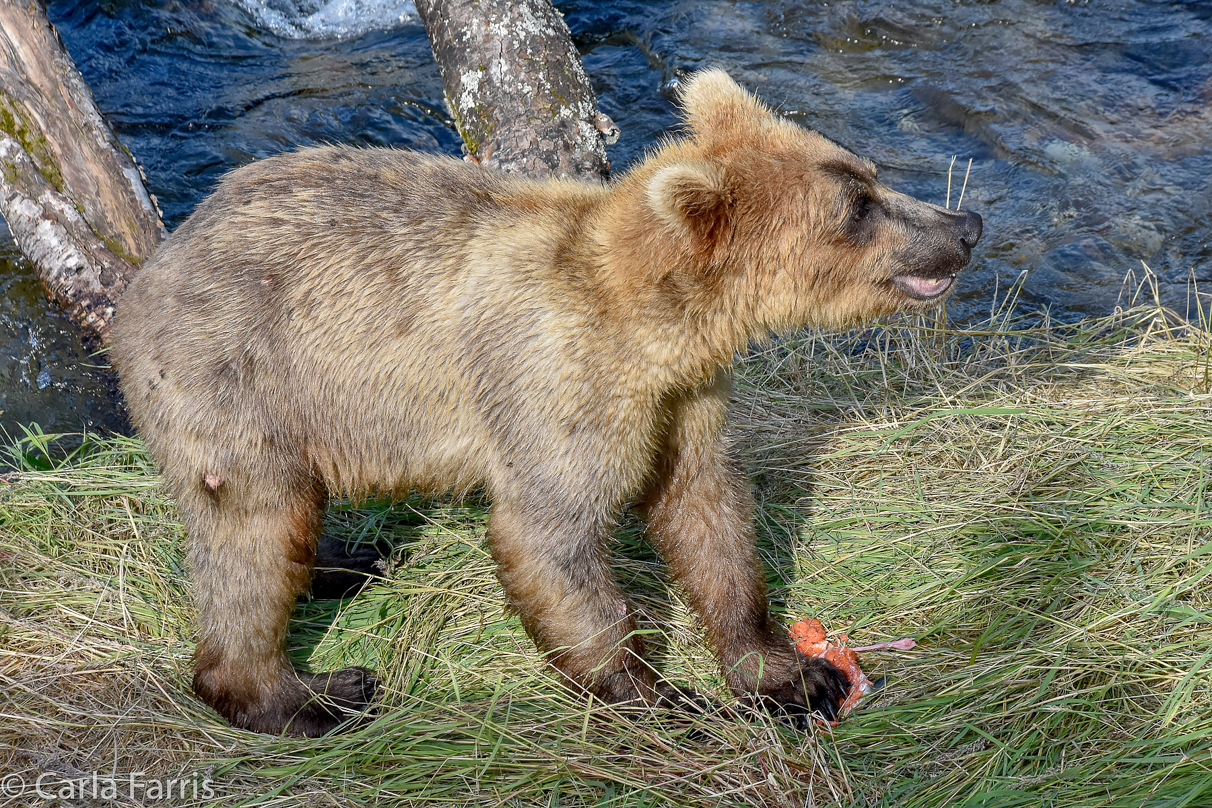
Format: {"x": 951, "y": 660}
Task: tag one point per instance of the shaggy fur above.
{"x": 345, "y": 321}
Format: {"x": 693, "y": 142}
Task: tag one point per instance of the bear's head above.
{"x": 776, "y": 227}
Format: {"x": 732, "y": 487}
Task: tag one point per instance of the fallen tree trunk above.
{"x": 516, "y": 87}
{"x": 73, "y": 198}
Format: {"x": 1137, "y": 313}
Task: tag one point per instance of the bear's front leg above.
{"x": 699, "y": 513}
{"x": 552, "y": 563}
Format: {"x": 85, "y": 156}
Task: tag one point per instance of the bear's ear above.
{"x": 713, "y": 102}
{"x": 692, "y": 197}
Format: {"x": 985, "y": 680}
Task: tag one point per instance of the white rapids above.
{"x": 327, "y": 19}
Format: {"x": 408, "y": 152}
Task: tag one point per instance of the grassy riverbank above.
{"x": 1030, "y": 501}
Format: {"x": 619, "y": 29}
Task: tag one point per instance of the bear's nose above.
{"x": 970, "y": 232}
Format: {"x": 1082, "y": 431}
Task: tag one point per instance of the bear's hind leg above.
{"x": 342, "y": 571}
{"x": 253, "y": 549}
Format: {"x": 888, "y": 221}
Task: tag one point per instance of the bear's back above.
{"x": 398, "y": 313}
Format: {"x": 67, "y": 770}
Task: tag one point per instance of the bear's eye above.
{"x": 863, "y": 222}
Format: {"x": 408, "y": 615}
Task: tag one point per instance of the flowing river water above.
{"x": 1089, "y": 125}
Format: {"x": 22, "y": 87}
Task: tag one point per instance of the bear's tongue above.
{"x": 922, "y": 288}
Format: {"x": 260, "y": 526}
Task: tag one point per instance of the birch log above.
{"x": 73, "y": 198}
{"x": 516, "y": 87}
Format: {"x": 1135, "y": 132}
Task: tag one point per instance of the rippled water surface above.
{"x": 1089, "y": 126}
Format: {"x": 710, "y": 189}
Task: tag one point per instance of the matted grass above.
{"x": 1029, "y": 501}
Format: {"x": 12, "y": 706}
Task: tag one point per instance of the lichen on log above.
{"x": 516, "y": 87}
{"x": 74, "y": 200}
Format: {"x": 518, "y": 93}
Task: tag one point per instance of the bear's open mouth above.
{"x": 920, "y": 288}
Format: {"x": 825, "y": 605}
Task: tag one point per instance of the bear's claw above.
{"x": 343, "y": 697}
{"x": 818, "y": 687}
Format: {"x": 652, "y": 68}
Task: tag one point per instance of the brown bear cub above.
{"x": 347, "y": 321}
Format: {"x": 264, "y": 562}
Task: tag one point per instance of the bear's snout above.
{"x": 970, "y": 230}
{"x": 940, "y": 249}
